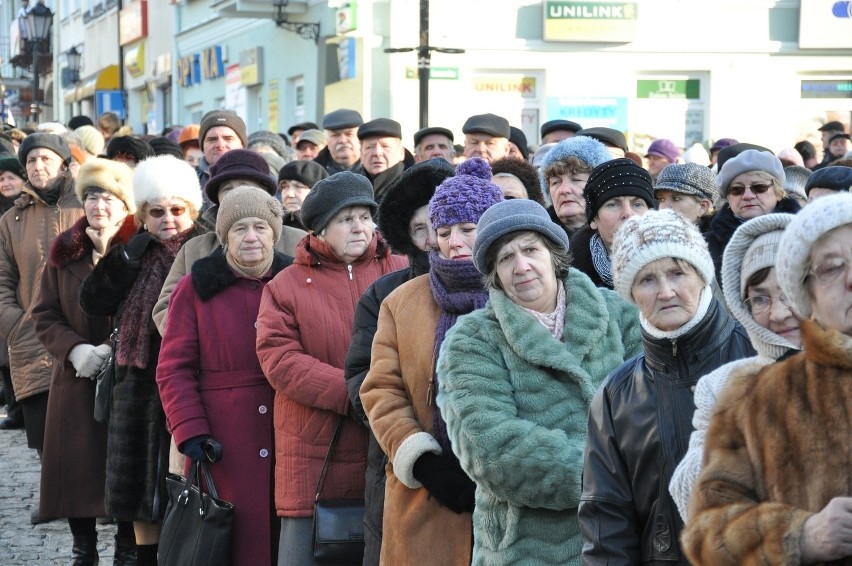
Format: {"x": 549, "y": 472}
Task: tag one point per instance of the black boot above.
{"x": 147, "y": 555}
{"x": 85, "y": 551}
{"x": 125, "y": 552}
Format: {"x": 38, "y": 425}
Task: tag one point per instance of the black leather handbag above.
{"x": 197, "y": 527}
{"x": 338, "y": 534}
{"x": 104, "y": 383}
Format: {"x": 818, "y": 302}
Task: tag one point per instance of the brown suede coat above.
{"x": 778, "y": 449}
{"x": 395, "y": 394}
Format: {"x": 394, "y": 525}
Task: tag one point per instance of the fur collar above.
{"x": 74, "y": 243}
{"x": 826, "y": 347}
{"x": 212, "y": 274}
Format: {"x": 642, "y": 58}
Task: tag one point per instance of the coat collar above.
{"x": 826, "y": 347}
{"x": 716, "y": 322}
{"x": 74, "y": 243}
{"x": 212, "y": 274}
{"x": 312, "y": 251}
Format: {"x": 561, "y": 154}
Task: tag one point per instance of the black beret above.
{"x": 47, "y": 141}
{"x": 517, "y": 137}
{"x": 606, "y": 136}
{"x": 12, "y": 165}
{"x": 380, "y": 128}
{"x": 420, "y": 134}
{"x": 343, "y": 118}
{"x": 301, "y": 126}
{"x": 832, "y": 126}
{"x": 490, "y": 124}
{"x": 556, "y": 125}
{"x": 309, "y": 173}
{"x": 732, "y": 151}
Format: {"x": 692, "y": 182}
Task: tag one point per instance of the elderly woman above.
{"x": 295, "y": 181}
{"x": 75, "y": 446}
{"x": 755, "y": 299}
{"x": 304, "y": 330}
{"x": 640, "y": 420}
{"x": 752, "y": 184}
{"x": 209, "y": 376}
{"x": 428, "y": 497}
{"x": 690, "y": 189}
{"x": 775, "y": 488}
{"x": 125, "y": 285}
{"x": 615, "y": 191}
{"x": 515, "y": 380}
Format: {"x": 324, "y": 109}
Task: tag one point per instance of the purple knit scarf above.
{"x": 458, "y": 288}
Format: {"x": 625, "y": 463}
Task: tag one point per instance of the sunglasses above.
{"x": 739, "y": 190}
{"x": 157, "y": 212}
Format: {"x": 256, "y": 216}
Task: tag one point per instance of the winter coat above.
{"x": 777, "y": 451}
{"x": 397, "y": 395}
{"x": 581, "y": 255}
{"x": 74, "y": 456}
{"x": 6, "y": 203}
{"x": 26, "y": 233}
{"x": 515, "y": 401}
{"x": 324, "y": 158}
{"x": 202, "y": 246}
{"x": 304, "y": 330}
{"x": 211, "y": 383}
{"x": 639, "y": 427}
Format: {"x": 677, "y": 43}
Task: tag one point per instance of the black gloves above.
{"x": 193, "y": 448}
{"x": 445, "y": 481}
{"x": 136, "y": 247}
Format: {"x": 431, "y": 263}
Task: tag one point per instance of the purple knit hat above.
{"x": 466, "y": 196}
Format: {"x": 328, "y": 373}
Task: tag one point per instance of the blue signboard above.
{"x": 110, "y": 101}
{"x": 607, "y": 111}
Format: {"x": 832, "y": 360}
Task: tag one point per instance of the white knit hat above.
{"x": 656, "y": 235}
{"x": 754, "y": 246}
{"x": 165, "y": 176}
{"x": 821, "y": 216}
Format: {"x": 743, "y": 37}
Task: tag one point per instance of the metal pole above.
{"x": 34, "y": 106}
{"x": 424, "y": 56}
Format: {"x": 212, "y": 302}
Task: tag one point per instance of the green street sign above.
{"x": 445, "y": 73}
{"x": 668, "y": 88}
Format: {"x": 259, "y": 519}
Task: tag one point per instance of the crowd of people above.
{"x": 561, "y": 353}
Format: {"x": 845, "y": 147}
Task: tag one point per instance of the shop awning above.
{"x": 105, "y": 79}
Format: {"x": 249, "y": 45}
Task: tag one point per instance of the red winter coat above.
{"x": 303, "y": 334}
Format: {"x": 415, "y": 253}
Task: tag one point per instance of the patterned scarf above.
{"x": 600, "y": 259}
{"x": 137, "y": 326}
{"x": 458, "y": 288}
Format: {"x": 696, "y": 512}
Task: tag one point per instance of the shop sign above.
{"x": 346, "y": 58}
{"x": 668, "y": 88}
{"x": 827, "y": 89}
{"x": 590, "y": 21}
{"x": 273, "y": 105}
{"x": 212, "y": 66}
{"x": 251, "y": 66}
{"x": 133, "y": 22}
{"x": 189, "y": 70}
{"x": 523, "y": 86}
{"x": 607, "y": 111}
{"x": 445, "y": 73}
{"x": 346, "y": 18}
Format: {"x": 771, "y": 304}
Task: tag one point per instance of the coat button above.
{"x": 262, "y": 409}
{"x": 254, "y": 285}
{"x": 255, "y": 325}
{"x": 264, "y": 452}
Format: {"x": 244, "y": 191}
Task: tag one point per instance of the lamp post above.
{"x": 73, "y": 59}
{"x": 39, "y": 24}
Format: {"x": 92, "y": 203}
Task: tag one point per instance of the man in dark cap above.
{"x": 614, "y": 140}
{"x": 486, "y": 136}
{"x": 827, "y": 181}
{"x": 295, "y": 131}
{"x": 220, "y": 131}
{"x": 343, "y": 150}
{"x": 518, "y": 147}
{"x": 555, "y": 131}
{"x": 433, "y": 142}
{"x": 383, "y": 158}
{"x": 828, "y": 131}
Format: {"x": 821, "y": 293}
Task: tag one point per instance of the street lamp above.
{"x": 72, "y": 63}
{"x": 39, "y": 24}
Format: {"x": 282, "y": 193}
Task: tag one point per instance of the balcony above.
{"x": 24, "y": 59}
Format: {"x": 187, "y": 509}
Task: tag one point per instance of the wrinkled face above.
{"x": 432, "y": 146}
{"x": 511, "y": 186}
{"x": 420, "y": 230}
{"x": 756, "y": 196}
{"x": 308, "y": 151}
{"x": 349, "y": 232}
{"x": 656, "y": 163}
{"x": 193, "y": 156}
{"x": 689, "y": 206}
{"x": 250, "y": 241}
{"x": 43, "y": 165}
{"x": 485, "y": 146}
{"x": 293, "y": 193}
{"x": 104, "y": 209}
{"x": 379, "y": 154}
{"x": 525, "y": 271}
{"x": 167, "y": 218}
{"x": 10, "y": 184}
{"x": 667, "y": 293}
{"x": 566, "y": 193}
{"x": 612, "y": 215}
{"x": 830, "y": 283}
{"x": 769, "y": 309}
{"x": 218, "y": 141}
{"x": 456, "y": 241}
{"x": 344, "y": 146}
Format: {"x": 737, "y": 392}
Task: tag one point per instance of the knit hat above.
{"x": 795, "y": 179}
{"x": 239, "y": 164}
{"x": 226, "y": 118}
{"x": 248, "y": 202}
{"x": 163, "y": 177}
{"x": 333, "y": 194}
{"x": 140, "y": 150}
{"x": 188, "y": 135}
{"x": 12, "y": 165}
{"x": 689, "y": 179}
{"x": 833, "y": 177}
{"x": 164, "y": 146}
{"x": 664, "y": 148}
{"x": 656, "y": 235}
{"x": 107, "y": 175}
{"x": 588, "y": 150}
{"x": 309, "y": 173}
{"x": 92, "y": 140}
{"x": 753, "y": 246}
{"x": 696, "y": 154}
{"x": 411, "y": 190}
{"x": 808, "y": 225}
{"x": 47, "y": 141}
{"x": 616, "y": 178}
{"x": 790, "y": 154}
{"x": 270, "y": 139}
{"x": 517, "y": 137}
{"x": 466, "y": 196}
{"x": 745, "y": 162}
{"x": 76, "y": 121}
{"x": 514, "y": 215}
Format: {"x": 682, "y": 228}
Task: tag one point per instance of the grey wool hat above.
{"x": 333, "y": 194}
{"x": 689, "y": 179}
{"x": 747, "y": 161}
{"x": 514, "y": 215}
{"x": 588, "y": 150}
{"x": 47, "y": 141}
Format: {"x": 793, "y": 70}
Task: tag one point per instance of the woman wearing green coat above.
{"x": 515, "y": 380}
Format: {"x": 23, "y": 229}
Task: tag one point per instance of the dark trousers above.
{"x": 13, "y": 408}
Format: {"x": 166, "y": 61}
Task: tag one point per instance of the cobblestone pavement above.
{"x": 22, "y": 544}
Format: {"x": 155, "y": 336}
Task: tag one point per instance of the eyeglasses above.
{"x": 739, "y": 190}
{"x": 157, "y": 212}
{"x": 830, "y": 270}
{"x": 761, "y": 304}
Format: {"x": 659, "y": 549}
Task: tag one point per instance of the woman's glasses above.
{"x": 157, "y": 212}
{"x": 761, "y": 304}
{"x": 739, "y": 190}
{"x": 830, "y": 270}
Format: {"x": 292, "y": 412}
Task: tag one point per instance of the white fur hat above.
{"x": 165, "y": 176}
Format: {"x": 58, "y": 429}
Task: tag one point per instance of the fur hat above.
{"x": 309, "y": 173}
{"x": 523, "y": 172}
{"x": 689, "y": 179}
{"x": 12, "y": 165}
{"x": 464, "y": 197}
{"x": 92, "y": 140}
{"x": 795, "y": 179}
{"x": 745, "y": 162}
{"x": 246, "y": 201}
{"x": 47, "y": 141}
{"x": 226, "y": 118}
{"x": 616, "y": 178}
{"x": 833, "y": 177}
{"x": 514, "y": 215}
{"x": 807, "y": 226}
{"x": 140, "y": 150}
{"x": 79, "y": 120}
{"x": 270, "y": 139}
{"x": 333, "y": 194}
{"x": 164, "y": 146}
{"x": 163, "y": 177}
{"x": 588, "y": 150}
{"x": 411, "y": 190}
{"x": 656, "y": 235}
{"x": 239, "y": 164}
{"x": 107, "y": 175}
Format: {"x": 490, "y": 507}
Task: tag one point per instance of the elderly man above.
{"x": 662, "y": 152}
{"x": 555, "y": 131}
{"x": 296, "y": 130}
{"x": 433, "y": 142}
{"x": 344, "y": 149}
{"x": 382, "y": 156}
{"x": 220, "y": 131}
{"x": 310, "y": 144}
{"x": 486, "y": 136}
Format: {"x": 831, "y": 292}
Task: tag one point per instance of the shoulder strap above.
{"x": 328, "y": 456}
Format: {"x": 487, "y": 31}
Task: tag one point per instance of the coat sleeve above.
{"x": 607, "y": 515}
{"x": 515, "y": 459}
{"x": 358, "y": 356}
{"x": 161, "y": 307}
{"x": 727, "y": 524}
{"x": 177, "y": 370}
{"x": 51, "y": 324}
{"x": 288, "y": 367}
{"x": 109, "y": 282}
{"x": 10, "y": 310}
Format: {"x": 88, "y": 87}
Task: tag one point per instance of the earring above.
{"x": 145, "y": 226}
